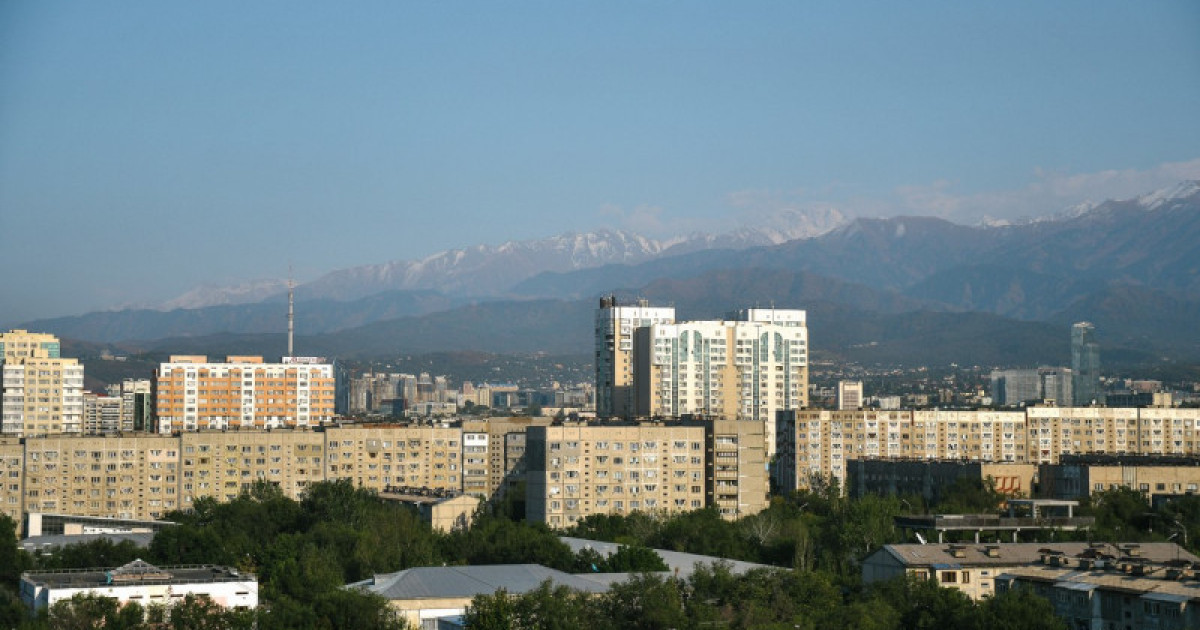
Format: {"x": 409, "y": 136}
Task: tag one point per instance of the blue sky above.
{"x": 149, "y": 147}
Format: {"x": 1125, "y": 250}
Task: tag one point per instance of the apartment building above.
{"x": 121, "y": 476}
{"x": 576, "y": 470}
{"x": 747, "y": 368}
{"x": 101, "y": 413}
{"x": 378, "y": 457}
{"x": 818, "y": 443}
{"x": 615, "y": 328}
{"x": 12, "y": 478}
{"x": 192, "y": 393}
{"x": 40, "y": 392}
{"x": 223, "y": 464}
{"x": 1158, "y": 477}
{"x": 494, "y": 454}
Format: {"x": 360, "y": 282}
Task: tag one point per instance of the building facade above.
{"x": 40, "y": 392}
{"x": 1085, "y": 366}
{"x": 144, "y": 584}
{"x": 192, "y": 393}
{"x": 615, "y": 328}
{"x": 577, "y": 470}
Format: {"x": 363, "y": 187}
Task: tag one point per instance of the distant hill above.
{"x": 905, "y": 289}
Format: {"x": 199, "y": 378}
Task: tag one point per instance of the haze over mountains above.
{"x": 906, "y": 289}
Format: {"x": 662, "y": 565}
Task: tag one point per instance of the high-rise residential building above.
{"x": 744, "y": 368}
{"x": 193, "y": 393}
{"x": 40, "y": 392}
{"x": 22, "y": 344}
{"x": 1085, "y": 365}
{"x": 101, "y": 413}
{"x": 137, "y": 405}
{"x": 850, "y": 395}
{"x": 615, "y": 327}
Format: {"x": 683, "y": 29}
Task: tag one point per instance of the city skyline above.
{"x": 148, "y": 143}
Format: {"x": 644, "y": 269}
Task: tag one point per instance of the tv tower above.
{"x": 291, "y": 311}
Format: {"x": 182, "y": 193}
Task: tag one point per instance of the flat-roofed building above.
{"x": 192, "y": 393}
{"x": 12, "y": 478}
{"x": 101, "y": 413}
{"x": 615, "y": 354}
{"x": 928, "y": 479}
{"x": 127, "y": 476}
{"x": 40, "y": 392}
{"x": 576, "y": 470}
{"x": 744, "y": 368}
{"x": 143, "y": 583}
{"x": 974, "y": 568}
{"x": 1158, "y": 477}
{"x": 223, "y": 464}
{"x": 379, "y": 456}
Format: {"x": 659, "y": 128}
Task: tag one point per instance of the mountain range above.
{"x": 896, "y": 290}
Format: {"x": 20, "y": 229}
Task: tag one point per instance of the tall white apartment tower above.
{"x": 615, "y": 328}
{"x": 746, "y": 368}
{"x": 40, "y": 392}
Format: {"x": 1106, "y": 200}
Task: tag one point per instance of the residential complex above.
{"x": 192, "y": 393}
{"x": 577, "y": 470}
{"x": 746, "y": 367}
{"x": 615, "y": 327}
{"x": 41, "y": 393}
{"x": 819, "y": 443}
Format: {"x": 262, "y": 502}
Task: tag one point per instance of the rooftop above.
{"x": 137, "y": 572}
{"x": 1015, "y": 554}
{"x": 469, "y": 581}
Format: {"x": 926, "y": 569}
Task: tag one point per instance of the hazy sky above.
{"x": 148, "y": 147}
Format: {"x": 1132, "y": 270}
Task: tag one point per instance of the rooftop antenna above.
{"x": 291, "y": 311}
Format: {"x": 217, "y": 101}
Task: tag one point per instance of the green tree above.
{"x": 354, "y": 610}
{"x": 1019, "y": 609}
{"x": 86, "y": 611}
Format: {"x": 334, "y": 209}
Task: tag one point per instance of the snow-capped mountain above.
{"x": 490, "y": 270}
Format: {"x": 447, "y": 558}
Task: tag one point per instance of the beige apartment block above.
{"x": 736, "y": 467}
{"x": 815, "y": 444}
{"x": 615, "y": 328}
{"x": 223, "y": 464}
{"x": 576, "y": 470}
{"x": 193, "y": 393}
{"x": 382, "y": 456}
{"x": 1056, "y": 431}
{"x": 18, "y": 344}
{"x": 101, "y": 414}
{"x": 494, "y": 454}
{"x": 116, "y": 476}
{"x": 41, "y": 395}
{"x": 12, "y": 477}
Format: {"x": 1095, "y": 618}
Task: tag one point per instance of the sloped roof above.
{"x": 679, "y": 563}
{"x": 469, "y": 581}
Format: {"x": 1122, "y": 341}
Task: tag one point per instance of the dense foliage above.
{"x": 764, "y": 598}
{"x": 304, "y": 552}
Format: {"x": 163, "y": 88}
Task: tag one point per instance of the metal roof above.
{"x": 469, "y": 581}
{"x": 679, "y": 563}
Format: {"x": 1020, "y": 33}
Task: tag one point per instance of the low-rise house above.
{"x": 973, "y": 568}
{"x": 143, "y": 583}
